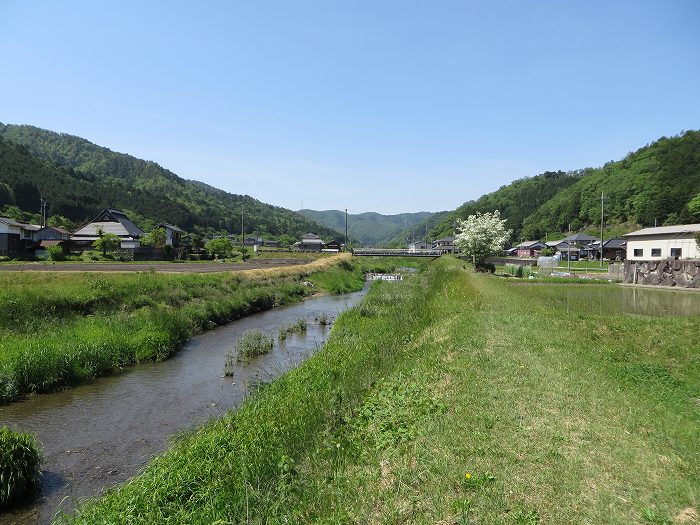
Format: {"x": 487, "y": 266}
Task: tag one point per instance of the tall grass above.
{"x": 20, "y": 459}
{"x": 452, "y": 397}
{"x": 220, "y": 473}
{"x": 58, "y": 330}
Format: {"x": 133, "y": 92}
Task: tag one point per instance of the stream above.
{"x": 102, "y": 433}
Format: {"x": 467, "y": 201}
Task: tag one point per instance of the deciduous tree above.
{"x": 481, "y": 235}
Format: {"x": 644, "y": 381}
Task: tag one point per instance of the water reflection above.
{"x": 618, "y": 299}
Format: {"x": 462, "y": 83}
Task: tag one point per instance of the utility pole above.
{"x": 346, "y": 229}
{"x": 568, "y": 251}
{"x": 242, "y": 234}
{"x": 42, "y": 210}
{"x": 602, "y": 202}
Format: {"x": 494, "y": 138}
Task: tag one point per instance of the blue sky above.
{"x": 385, "y": 106}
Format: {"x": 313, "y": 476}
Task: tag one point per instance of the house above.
{"x": 416, "y": 246}
{"x": 15, "y": 237}
{"x": 109, "y": 221}
{"x": 580, "y": 238}
{"x": 310, "y": 243}
{"x": 529, "y": 248}
{"x": 333, "y": 246}
{"x": 173, "y": 234}
{"x": 271, "y": 243}
{"x": 613, "y": 249}
{"x": 253, "y": 241}
{"x": 445, "y": 245}
{"x": 678, "y": 242}
{"x": 50, "y": 236}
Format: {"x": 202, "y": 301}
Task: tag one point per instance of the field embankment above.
{"x": 62, "y": 329}
{"x": 450, "y": 398}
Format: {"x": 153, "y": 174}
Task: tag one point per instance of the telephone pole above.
{"x": 602, "y": 202}
{"x": 346, "y": 229}
{"x": 242, "y": 234}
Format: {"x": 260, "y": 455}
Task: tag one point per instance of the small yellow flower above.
{"x": 468, "y": 475}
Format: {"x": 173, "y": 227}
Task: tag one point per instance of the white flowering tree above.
{"x": 481, "y": 235}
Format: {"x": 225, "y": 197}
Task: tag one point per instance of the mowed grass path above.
{"x": 482, "y": 405}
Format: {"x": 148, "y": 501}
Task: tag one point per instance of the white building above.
{"x": 651, "y": 244}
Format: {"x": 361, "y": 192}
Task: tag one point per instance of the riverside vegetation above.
{"x": 452, "y": 397}
{"x": 20, "y": 458}
{"x": 61, "y": 329}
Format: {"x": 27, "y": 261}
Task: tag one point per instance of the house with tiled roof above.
{"x": 109, "y": 221}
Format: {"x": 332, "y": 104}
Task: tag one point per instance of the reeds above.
{"x": 20, "y": 459}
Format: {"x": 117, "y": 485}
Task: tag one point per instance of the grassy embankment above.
{"x": 62, "y": 329}
{"x": 450, "y": 398}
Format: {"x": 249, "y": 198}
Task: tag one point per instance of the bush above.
{"x": 486, "y": 267}
{"x": 20, "y": 459}
{"x": 55, "y": 253}
{"x": 4, "y": 258}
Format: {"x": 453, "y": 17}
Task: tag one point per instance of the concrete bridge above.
{"x": 390, "y": 252}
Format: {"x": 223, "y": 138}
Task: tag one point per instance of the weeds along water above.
{"x": 61, "y": 329}
{"x": 218, "y": 471}
{"x": 452, "y": 397}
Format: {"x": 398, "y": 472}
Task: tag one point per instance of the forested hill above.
{"x": 657, "y": 184}
{"x": 369, "y": 228}
{"x": 79, "y": 178}
{"x": 516, "y": 201}
{"x": 418, "y": 231}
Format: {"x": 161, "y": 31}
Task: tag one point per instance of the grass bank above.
{"x": 451, "y": 398}
{"x": 62, "y": 329}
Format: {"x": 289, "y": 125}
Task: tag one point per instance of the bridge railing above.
{"x": 395, "y": 252}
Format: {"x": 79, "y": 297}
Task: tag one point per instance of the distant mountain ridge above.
{"x": 657, "y": 184}
{"x": 80, "y": 178}
{"x": 370, "y": 228}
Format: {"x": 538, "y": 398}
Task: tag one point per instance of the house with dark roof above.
{"x": 173, "y": 234}
{"x": 310, "y": 243}
{"x": 678, "y": 242}
{"x": 529, "y": 248}
{"x": 109, "y": 221}
{"x": 444, "y": 245}
{"x": 613, "y": 249}
{"x": 15, "y": 237}
{"x": 50, "y": 236}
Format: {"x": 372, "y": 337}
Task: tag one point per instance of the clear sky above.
{"x": 385, "y": 106}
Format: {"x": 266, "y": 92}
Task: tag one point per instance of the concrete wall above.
{"x": 667, "y": 272}
{"x": 646, "y": 243}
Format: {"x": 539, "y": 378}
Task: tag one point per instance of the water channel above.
{"x": 102, "y": 433}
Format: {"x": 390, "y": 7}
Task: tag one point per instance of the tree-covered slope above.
{"x": 659, "y": 183}
{"x": 369, "y": 228}
{"x": 418, "y": 231}
{"x": 515, "y": 201}
{"x": 79, "y": 178}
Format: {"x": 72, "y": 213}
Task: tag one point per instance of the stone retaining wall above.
{"x": 665, "y": 272}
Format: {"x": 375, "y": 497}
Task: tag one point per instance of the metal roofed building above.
{"x": 678, "y": 242}
{"x": 110, "y": 221}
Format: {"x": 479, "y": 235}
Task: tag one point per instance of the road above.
{"x": 210, "y": 267}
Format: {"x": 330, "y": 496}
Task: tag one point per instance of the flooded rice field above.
{"x": 102, "y": 433}
{"x": 611, "y": 299}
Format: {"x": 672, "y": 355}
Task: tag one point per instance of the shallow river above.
{"x": 102, "y": 433}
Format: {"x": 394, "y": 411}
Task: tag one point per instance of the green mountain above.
{"x": 516, "y": 201}
{"x": 657, "y": 184}
{"x": 79, "y": 178}
{"x": 418, "y": 231}
{"x": 369, "y": 228}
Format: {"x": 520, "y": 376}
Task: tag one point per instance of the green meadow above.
{"x": 60, "y": 329}
{"x": 451, "y": 398}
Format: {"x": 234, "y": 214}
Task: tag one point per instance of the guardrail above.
{"x": 391, "y": 252}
